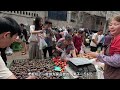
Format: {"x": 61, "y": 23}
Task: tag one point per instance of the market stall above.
{"x": 43, "y": 69}
{"x": 88, "y": 71}
{"x": 56, "y": 69}
{"x": 85, "y": 67}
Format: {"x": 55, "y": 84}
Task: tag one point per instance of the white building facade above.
{"x": 86, "y": 19}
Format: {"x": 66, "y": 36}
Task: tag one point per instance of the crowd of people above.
{"x": 44, "y": 38}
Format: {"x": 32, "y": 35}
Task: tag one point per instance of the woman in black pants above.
{"x": 48, "y": 38}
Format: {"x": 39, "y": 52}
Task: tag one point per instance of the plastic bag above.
{"x": 54, "y": 38}
{"x": 99, "y": 72}
{"x": 82, "y": 51}
{"x": 42, "y": 44}
{"x": 65, "y": 56}
{"x": 33, "y": 37}
{"x": 23, "y": 39}
{"x": 16, "y": 46}
{"x": 8, "y": 51}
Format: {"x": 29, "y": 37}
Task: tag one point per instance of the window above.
{"x": 57, "y": 15}
{"x": 17, "y": 12}
{"x": 72, "y": 20}
{"x": 26, "y": 13}
{"x": 97, "y": 20}
{"x": 32, "y": 14}
{"x": 73, "y": 15}
{"x": 23, "y": 12}
{"x": 29, "y": 13}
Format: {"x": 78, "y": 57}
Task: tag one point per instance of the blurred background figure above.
{"x": 70, "y": 31}
{"x": 78, "y": 41}
{"x": 95, "y": 41}
{"x": 23, "y": 38}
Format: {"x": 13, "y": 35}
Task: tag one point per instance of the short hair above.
{"x": 117, "y": 18}
{"x": 8, "y": 24}
{"x": 48, "y": 22}
{"x": 68, "y": 37}
{"x": 22, "y": 24}
{"x": 70, "y": 30}
{"x": 100, "y": 30}
{"x": 80, "y": 31}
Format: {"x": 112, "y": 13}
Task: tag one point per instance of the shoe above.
{"x": 23, "y": 53}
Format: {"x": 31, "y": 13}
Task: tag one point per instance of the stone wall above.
{"x": 111, "y": 14}
{"x": 90, "y": 21}
{"x": 62, "y": 23}
{"x": 23, "y": 18}
{"x": 86, "y": 20}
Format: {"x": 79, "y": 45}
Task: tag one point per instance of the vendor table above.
{"x": 87, "y": 75}
{"x": 44, "y": 69}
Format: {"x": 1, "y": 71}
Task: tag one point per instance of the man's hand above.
{"x": 93, "y": 54}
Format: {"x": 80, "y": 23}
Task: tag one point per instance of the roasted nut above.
{"x": 21, "y": 68}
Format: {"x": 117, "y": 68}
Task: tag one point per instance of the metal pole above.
{"x": 105, "y": 26}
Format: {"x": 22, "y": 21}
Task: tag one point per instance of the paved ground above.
{"x": 16, "y": 55}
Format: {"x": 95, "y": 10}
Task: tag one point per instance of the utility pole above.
{"x": 68, "y": 16}
{"x": 105, "y": 25}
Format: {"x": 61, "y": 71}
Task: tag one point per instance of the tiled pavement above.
{"x": 16, "y": 55}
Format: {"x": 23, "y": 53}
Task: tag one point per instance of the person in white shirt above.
{"x": 100, "y": 42}
{"x": 95, "y": 41}
{"x": 9, "y": 30}
{"x": 65, "y": 32}
{"x": 35, "y": 31}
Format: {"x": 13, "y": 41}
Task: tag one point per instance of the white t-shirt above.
{"x": 100, "y": 38}
{"x": 65, "y": 32}
{"x": 4, "y": 71}
{"x": 93, "y": 37}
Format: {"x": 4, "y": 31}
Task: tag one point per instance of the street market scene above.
{"x": 59, "y": 44}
